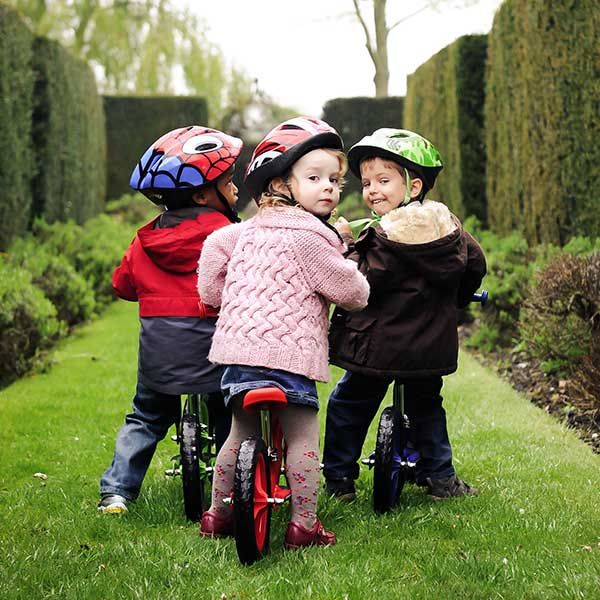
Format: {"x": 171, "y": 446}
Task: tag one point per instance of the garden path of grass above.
{"x": 534, "y": 532}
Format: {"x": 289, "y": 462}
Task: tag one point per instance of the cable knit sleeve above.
{"x": 331, "y": 275}
{"x": 212, "y": 265}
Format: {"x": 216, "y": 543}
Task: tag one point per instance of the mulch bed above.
{"x": 557, "y": 397}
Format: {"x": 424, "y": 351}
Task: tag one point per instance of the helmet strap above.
{"x": 407, "y": 197}
{"x": 230, "y": 213}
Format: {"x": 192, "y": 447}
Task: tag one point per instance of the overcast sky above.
{"x": 305, "y": 52}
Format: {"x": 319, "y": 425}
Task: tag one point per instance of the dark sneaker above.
{"x": 297, "y": 536}
{"x": 449, "y": 487}
{"x": 113, "y": 504}
{"x": 342, "y": 489}
{"x": 213, "y": 525}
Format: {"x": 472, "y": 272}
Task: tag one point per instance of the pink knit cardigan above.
{"x": 274, "y": 277}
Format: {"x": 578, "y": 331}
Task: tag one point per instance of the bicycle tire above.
{"x": 388, "y": 475}
{"x": 193, "y": 485}
{"x": 252, "y": 512}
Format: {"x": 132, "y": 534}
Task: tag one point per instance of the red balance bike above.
{"x": 259, "y": 470}
{"x": 394, "y": 459}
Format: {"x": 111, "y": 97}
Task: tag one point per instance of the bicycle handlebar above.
{"x": 481, "y": 297}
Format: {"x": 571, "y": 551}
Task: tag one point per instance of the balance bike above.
{"x": 257, "y": 485}
{"x": 196, "y": 458}
{"x": 394, "y": 459}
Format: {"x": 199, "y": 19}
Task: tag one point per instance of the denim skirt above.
{"x": 239, "y": 379}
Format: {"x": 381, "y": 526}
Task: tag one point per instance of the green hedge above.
{"x": 543, "y": 119}
{"x": 134, "y": 122}
{"x": 354, "y": 118}
{"x": 16, "y": 87}
{"x": 68, "y": 137}
{"x": 444, "y": 102}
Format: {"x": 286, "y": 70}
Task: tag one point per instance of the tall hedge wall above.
{"x": 543, "y": 119}
{"x": 444, "y": 102}
{"x": 356, "y": 117}
{"x": 134, "y": 122}
{"x": 16, "y": 101}
{"x": 68, "y": 136}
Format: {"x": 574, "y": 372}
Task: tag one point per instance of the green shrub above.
{"x": 94, "y": 250}
{"x": 28, "y": 323}
{"x": 510, "y": 266}
{"x": 132, "y": 209}
{"x": 71, "y": 294}
{"x": 16, "y": 94}
{"x": 103, "y": 243}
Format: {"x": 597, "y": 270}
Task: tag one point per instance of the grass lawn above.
{"x": 534, "y": 532}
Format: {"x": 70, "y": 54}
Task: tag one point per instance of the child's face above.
{"x": 315, "y": 182}
{"x": 226, "y": 186}
{"x": 383, "y": 188}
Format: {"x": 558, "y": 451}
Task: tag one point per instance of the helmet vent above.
{"x": 206, "y": 147}
{"x": 289, "y": 126}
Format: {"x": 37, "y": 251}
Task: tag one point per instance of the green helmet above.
{"x": 410, "y": 150}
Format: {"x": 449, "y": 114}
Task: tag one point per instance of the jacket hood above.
{"x": 175, "y": 248}
{"x": 441, "y": 261}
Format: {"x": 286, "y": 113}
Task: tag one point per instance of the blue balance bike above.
{"x": 394, "y": 459}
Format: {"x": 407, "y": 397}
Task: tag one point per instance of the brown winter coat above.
{"x": 409, "y": 328}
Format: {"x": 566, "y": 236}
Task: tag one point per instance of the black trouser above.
{"x": 353, "y": 405}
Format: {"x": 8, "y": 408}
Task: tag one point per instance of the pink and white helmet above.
{"x": 283, "y": 146}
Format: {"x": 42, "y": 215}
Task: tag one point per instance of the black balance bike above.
{"x": 394, "y": 459}
{"x": 197, "y": 454}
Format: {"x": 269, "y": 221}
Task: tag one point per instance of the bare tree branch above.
{"x": 407, "y": 17}
{"x": 368, "y": 40}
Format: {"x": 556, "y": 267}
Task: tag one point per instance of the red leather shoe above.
{"x": 213, "y": 525}
{"x": 297, "y": 536}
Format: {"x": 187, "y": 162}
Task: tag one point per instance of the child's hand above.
{"x": 343, "y": 227}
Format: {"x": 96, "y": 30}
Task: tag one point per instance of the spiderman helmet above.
{"x": 283, "y": 146}
{"x": 183, "y": 160}
{"x": 408, "y": 149}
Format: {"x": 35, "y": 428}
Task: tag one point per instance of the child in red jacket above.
{"x": 189, "y": 171}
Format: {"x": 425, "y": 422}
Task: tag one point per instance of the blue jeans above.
{"x": 152, "y": 415}
{"x": 238, "y": 379}
{"x": 354, "y": 403}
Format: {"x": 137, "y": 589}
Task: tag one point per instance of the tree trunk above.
{"x": 382, "y": 73}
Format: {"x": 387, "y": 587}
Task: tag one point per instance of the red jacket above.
{"x": 159, "y": 268}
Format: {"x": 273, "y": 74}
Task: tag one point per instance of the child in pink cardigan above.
{"x": 274, "y": 277}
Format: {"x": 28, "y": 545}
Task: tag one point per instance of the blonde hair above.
{"x": 270, "y": 197}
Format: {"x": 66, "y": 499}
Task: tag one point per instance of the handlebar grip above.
{"x": 481, "y": 297}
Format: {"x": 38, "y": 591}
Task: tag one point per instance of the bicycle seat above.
{"x": 264, "y": 398}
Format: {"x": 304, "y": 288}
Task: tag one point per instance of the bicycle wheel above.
{"x": 388, "y": 474}
{"x": 190, "y": 445}
{"x": 251, "y": 490}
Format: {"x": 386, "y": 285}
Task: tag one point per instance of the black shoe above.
{"x": 342, "y": 489}
{"x": 449, "y": 487}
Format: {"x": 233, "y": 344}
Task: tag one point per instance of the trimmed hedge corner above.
{"x": 68, "y": 137}
{"x": 444, "y": 103}
{"x": 543, "y": 119}
{"x": 16, "y": 92}
{"x": 134, "y": 122}
{"x": 353, "y": 118}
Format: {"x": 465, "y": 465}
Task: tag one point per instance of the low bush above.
{"x": 560, "y": 322}
{"x": 28, "y": 323}
{"x": 132, "y": 209}
{"x": 69, "y": 291}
